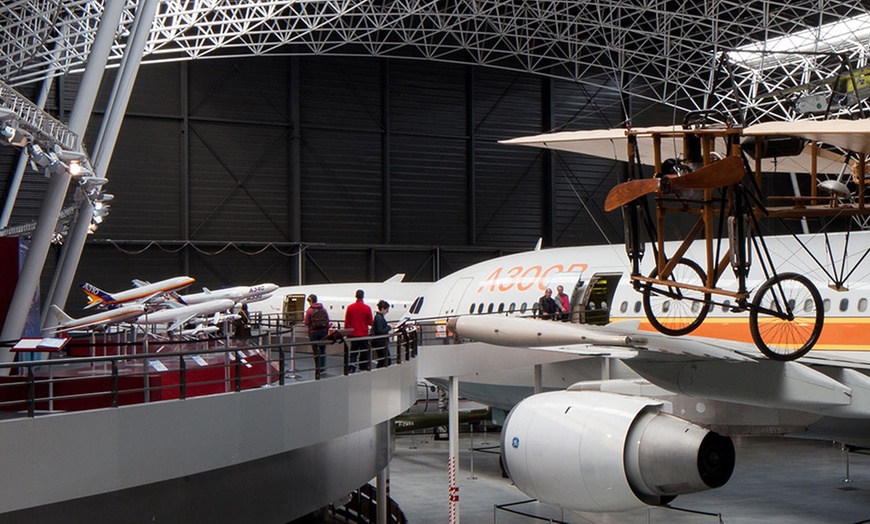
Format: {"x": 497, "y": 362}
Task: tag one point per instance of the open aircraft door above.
{"x": 591, "y": 303}
{"x": 293, "y": 309}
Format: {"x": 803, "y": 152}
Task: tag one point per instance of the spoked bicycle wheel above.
{"x": 786, "y": 316}
{"x": 676, "y": 310}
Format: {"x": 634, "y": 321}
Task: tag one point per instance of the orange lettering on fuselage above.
{"x": 524, "y": 278}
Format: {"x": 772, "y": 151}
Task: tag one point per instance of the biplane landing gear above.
{"x": 786, "y": 316}
{"x": 677, "y": 310}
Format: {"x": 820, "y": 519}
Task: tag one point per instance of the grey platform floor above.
{"x": 775, "y": 480}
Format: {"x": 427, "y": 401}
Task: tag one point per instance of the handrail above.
{"x": 98, "y": 381}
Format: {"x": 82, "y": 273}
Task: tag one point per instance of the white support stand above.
{"x": 453, "y": 437}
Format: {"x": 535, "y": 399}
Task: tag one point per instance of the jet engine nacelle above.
{"x": 593, "y": 451}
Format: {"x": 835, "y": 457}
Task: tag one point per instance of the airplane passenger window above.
{"x": 501, "y": 308}
{"x": 512, "y": 307}
{"x": 471, "y": 309}
{"x": 808, "y": 305}
{"x": 726, "y": 306}
{"x": 480, "y": 308}
{"x": 844, "y": 304}
{"x": 696, "y": 306}
{"x": 862, "y": 305}
{"x": 666, "y": 306}
{"x": 623, "y": 307}
{"x": 523, "y": 307}
{"x": 791, "y": 304}
{"x": 827, "y": 303}
{"x": 489, "y": 309}
{"x": 637, "y": 307}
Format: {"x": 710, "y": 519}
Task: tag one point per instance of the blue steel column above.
{"x": 103, "y": 149}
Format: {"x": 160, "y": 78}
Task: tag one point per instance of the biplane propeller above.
{"x": 721, "y": 173}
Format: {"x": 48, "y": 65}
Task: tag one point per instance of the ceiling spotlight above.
{"x": 92, "y": 182}
{"x": 75, "y": 168}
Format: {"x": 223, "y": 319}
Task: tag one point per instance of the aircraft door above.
{"x": 293, "y": 310}
{"x": 454, "y": 297}
{"x": 595, "y": 299}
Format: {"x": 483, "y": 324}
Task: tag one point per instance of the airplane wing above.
{"x": 696, "y": 366}
{"x": 613, "y": 144}
{"x": 850, "y": 135}
{"x": 180, "y": 321}
{"x": 620, "y": 340}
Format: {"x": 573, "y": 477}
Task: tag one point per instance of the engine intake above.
{"x": 593, "y": 451}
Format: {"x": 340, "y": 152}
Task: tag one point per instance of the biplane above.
{"x": 712, "y": 173}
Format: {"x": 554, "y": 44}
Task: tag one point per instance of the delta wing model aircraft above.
{"x": 104, "y": 318}
{"x": 142, "y": 293}
{"x": 180, "y": 315}
{"x": 291, "y": 300}
{"x": 778, "y": 323}
{"x": 239, "y": 294}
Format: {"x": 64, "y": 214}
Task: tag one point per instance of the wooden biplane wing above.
{"x": 612, "y": 144}
{"x": 851, "y": 135}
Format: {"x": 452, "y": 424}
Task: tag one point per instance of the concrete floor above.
{"x": 775, "y": 480}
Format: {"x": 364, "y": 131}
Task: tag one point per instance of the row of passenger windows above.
{"x": 637, "y": 306}
{"x": 726, "y": 306}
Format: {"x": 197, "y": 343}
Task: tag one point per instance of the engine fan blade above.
{"x": 718, "y": 174}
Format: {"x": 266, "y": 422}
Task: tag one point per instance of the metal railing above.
{"x": 114, "y": 372}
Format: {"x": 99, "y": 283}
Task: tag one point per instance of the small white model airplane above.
{"x": 178, "y": 316}
{"x": 142, "y": 293}
{"x": 104, "y": 318}
{"x": 239, "y": 294}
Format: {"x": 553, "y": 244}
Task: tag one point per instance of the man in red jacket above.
{"x": 358, "y": 317}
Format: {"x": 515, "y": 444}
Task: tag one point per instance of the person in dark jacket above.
{"x": 317, "y": 321}
{"x": 381, "y": 346}
{"x": 547, "y": 308}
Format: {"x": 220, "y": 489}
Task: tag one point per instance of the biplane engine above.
{"x": 593, "y": 451}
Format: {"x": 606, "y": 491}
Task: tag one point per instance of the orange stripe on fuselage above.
{"x": 838, "y": 334}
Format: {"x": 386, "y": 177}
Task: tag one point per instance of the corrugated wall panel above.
{"x": 238, "y": 182}
{"x": 428, "y": 153}
{"x": 341, "y": 187}
{"x": 581, "y": 182}
{"x": 239, "y": 90}
{"x": 509, "y": 181}
{"x": 144, "y": 177}
{"x": 340, "y": 147}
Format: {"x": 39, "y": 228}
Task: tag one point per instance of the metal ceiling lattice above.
{"x": 659, "y": 50}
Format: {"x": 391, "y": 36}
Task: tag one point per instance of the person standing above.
{"x": 381, "y": 346}
{"x": 547, "y": 306}
{"x": 317, "y": 321}
{"x": 358, "y": 318}
{"x": 563, "y": 301}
